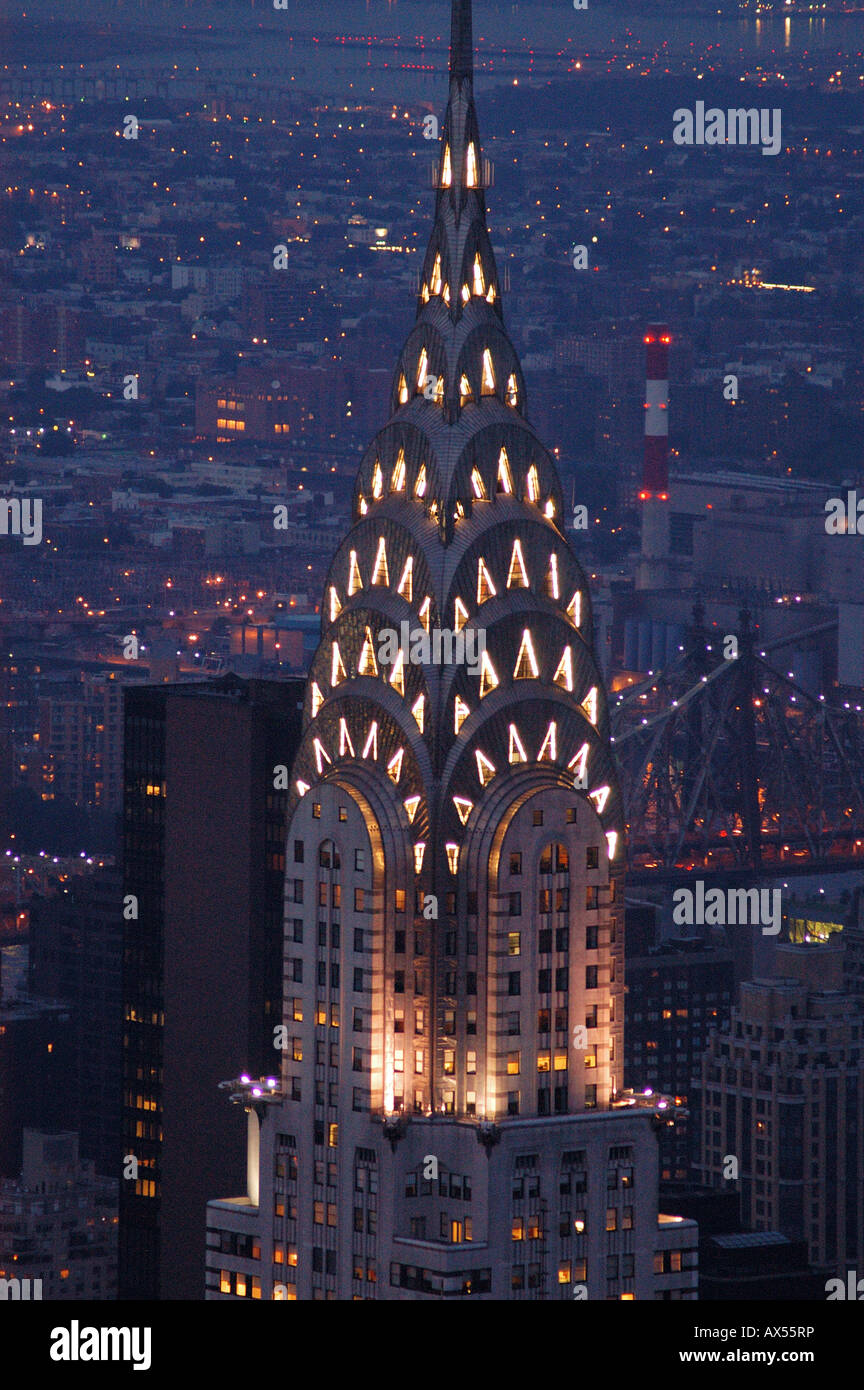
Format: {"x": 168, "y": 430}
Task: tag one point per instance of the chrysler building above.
{"x": 445, "y": 1116}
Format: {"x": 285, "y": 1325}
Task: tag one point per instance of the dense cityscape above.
{"x": 323, "y": 338}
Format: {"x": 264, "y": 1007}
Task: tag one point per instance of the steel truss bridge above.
{"x": 728, "y": 766}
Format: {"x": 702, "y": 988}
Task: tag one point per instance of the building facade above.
{"x": 783, "y": 1095}
{"x": 445, "y": 1120}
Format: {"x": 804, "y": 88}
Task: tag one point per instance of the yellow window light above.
{"x": 337, "y": 668}
{"x": 485, "y": 588}
{"x": 589, "y": 705}
{"x": 367, "y": 665}
{"x": 346, "y": 747}
{"x": 418, "y": 710}
{"x": 464, "y": 807}
{"x": 317, "y": 699}
{"x": 564, "y": 671}
{"x": 488, "y": 678}
{"x": 411, "y": 803}
{"x": 517, "y": 575}
{"x": 460, "y": 713}
{"x": 485, "y": 768}
{"x": 516, "y": 753}
{"x": 354, "y": 581}
{"x": 405, "y": 585}
{"x": 487, "y": 387}
{"x": 380, "y": 573}
{"x": 549, "y": 747}
{"x": 370, "y": 748}
{"x": 394, "y": 767}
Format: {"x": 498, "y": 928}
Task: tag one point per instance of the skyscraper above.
{"x": 444, "y": 1123}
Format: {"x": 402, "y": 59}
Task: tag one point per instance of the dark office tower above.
{"x": 76, "y": 946}
{"x": 678, "y": 993}
{"x": 204, "y": 830}
{"x": 453, "y": 955}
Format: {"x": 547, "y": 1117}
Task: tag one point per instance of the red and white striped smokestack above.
{"x": 655, "y": 469}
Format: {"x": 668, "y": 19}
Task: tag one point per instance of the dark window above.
{"x": 298, "y": 851}
{"x": 515, "y": 903}
{"x": 514, "y": 982}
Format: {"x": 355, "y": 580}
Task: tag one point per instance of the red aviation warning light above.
{"x": 655, "y": 470}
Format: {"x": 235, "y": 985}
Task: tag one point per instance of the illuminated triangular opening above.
{"x": 397, "y": 679}
{"x": 367, "y": 666}
{"x": 460, "y": 713}
{"x": 487, "y": 386}
{"x": 377, "y": 481}
{"x": 335, "y": 605}
{"x": 460, "y": 614}
{"x": 526, "y": 661}
{"x": 436, "y": 269}
{"x": 600, "y": 797}
{"x": 419, "y": 850}
{"x": 424, "y": 610}
{"x": 403, "y": 389}
{"x": 464, "y": 807}
{"x": 488, "y": 678}
{"x": 411, "y": 803}
{"x": 549, "y": 509}
{"x": 516, "y": 753}
{"x": 321, "y": 755}
{"x": 425, "y": 294}
{"x": 397, "y": 483}
{"x": 564, "y": 672}
{"x": 490, "y": 299}
{"x": 439, "y": 391}
{"x": 364, "y": 505}
{"x": 317, "y": 699}
{"x": 380, "y": 573}
{"x": 532, "y": 483}
{"x": 479, "y": 285}
{"x": 505, "y": 482}
{"x": 445, "y": 293}
{"x": 578, "y": 765}
{"x": 370, "y": 748}
{"x": 302, "y": 788}
{"x": 477, "y": 485}
{"x": 422, "y": 369}
{"x": 420, "y": 485}
{"x": 485, "y": 588}
{"x": 345, "y": 744}
{"x": 471, "y": 166}
{"x": 485, "y": 769}
{"x": 446, "y": 172}
{"x": 552, "y": 588}
{"x": 464, "y": 389}
{"x": 612, "y": 842}
{"x": 418, "y": 709}
{"x": 394, "y": 767}
{"x": 452, "y": 852}
{"x": 574, "y": 609}
{"x": 589, "y": 705}
{"x": 512, "y": 392}
{"x": 354, "y": 580}
{"x": 517, "y": 576}
{"x": 466, "y": 294}
{"x": 549, "y": 747}
{"x": 337, "y": 669}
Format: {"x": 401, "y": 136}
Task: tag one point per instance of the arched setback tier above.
{"x": 530, "y": 999}
{"x": 349, "y": 916}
